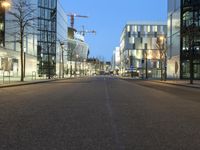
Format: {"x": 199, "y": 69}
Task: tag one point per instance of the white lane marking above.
{"x": 113, "y": 124}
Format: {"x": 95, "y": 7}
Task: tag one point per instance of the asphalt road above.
{"x": 100, "y": 113}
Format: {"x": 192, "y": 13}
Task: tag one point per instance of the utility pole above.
{"x": 24, "y": 62}
{"x": 63, "y": 67}
{"x": 49, "y": 70}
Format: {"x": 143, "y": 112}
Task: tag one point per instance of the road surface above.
{"x": 99, "y": 113}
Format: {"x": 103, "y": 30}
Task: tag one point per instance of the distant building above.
{"x": 139, "y": 54}
{"x": 115, "y": 63}
{"x": 107, "y": 68}
{"x": 93, "y": 66}
{"x": 77, "y": 53}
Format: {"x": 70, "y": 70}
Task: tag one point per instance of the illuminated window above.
{"x": 128, "y": 29}
{"x": 1, "y": 26}
{"x": 134, "y": 28}
{"x": 155, "y": 28}
{"x": 148, "y": 28}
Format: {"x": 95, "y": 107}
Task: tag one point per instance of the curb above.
{"x": 24, "y": 83}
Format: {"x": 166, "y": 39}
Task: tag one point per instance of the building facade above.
{"x": 10, "y": 47}
{"x": 77, "y": 53}
{"x": 139, "y": 54}
{"x": 184, "y": 39}
{"x": 115, "y": 63}
{"x": 45, "y": 42}
{"x": 52, "y": 30}
{"x": 190, "y": 39}
{"x": 173, "y": 38}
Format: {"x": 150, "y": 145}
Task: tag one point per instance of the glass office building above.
{"x": 78, "y": 52}
{"x": 52, "y": 32}
{"x": 190, "y": 39}
{"x": 184, "y": 39}
{"x": 9, "y": 42}
{"x": 173, "y": 39}
{"x": 46, "y": 51}
{"x": 42, "y": 42}
{"x": 61, "y": 33}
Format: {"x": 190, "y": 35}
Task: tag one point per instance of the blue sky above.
{"x": 108, "y": 17}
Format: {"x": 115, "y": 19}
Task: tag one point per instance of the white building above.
{"x": 139, "y": 54}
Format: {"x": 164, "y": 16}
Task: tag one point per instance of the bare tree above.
{"x": 71, "y": 54}
{"x": 23, "y": 16}
{"x": 161, "y": 46}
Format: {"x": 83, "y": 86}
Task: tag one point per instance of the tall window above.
{"x": 155, "y": 28}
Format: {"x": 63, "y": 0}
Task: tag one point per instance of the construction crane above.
{"x": 72, "y": 17}
{"x": 84, "y": 32}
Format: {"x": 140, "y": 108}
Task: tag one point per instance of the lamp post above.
{"x": 24, "y": 62}
{"x": 41, "y": 55}
{"x": 146, "y": 61}
{"x": 62, "y": 58}
{"x": 5, "y": 4}
{"x": 146, "y": 65}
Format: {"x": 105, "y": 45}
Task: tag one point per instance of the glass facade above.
{"x": 77, "y": 53}
{"x": 52, "y": 32}
{"x": 9, "y": 40}
{"x": 42, "y": 42}
{"x": 12, "y": 31}
{"x": 173, "y": 39}
{"x": 46, "y": 51}
{"x": 61, "y": 34}
{"x": 190, "y": 39}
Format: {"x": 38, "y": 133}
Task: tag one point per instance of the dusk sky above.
{"x": 108, "y": 17}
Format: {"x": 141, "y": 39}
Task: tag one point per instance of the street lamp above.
{"x": 5, "y": 4}
{"x": 24, "y": 62}
{"x": 146, "y": 61}
{"x": 41, "y": 55}
{"x": 62, "y": 58}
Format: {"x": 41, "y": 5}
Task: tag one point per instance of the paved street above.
{"x": 100, "y": 113}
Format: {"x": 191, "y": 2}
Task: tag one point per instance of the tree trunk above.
{"x": 22, "y": 52}
{"x": 191, "y": 69}
{"x": 22, "y": 61}
{"x": 161, "y": 63}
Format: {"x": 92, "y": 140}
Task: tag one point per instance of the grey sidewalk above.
{"x": 18, "y": 83}
{"x": 28, "y": 81}
{"x": 180, "y": 83}
{"x": 185, "y": 83}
